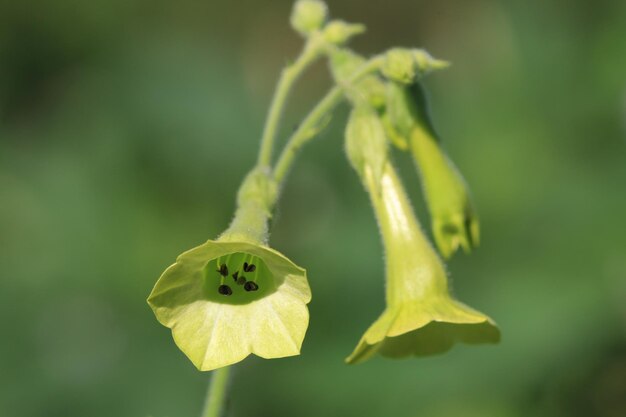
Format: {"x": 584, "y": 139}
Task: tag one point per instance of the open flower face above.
{"x": 421, "y": 317}
{"x": 226, "y": 300}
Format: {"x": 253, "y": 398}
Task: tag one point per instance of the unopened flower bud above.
{"x": 454, "y": 219}
{"x": 308, "y": 16}
{"x": 426, "y": 63}
{"x": 400, "y": 65}
{"x": 339, "y": 32}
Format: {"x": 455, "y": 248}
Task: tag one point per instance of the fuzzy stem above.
{"x": 288, "y": 77}
{"x": 255, "y": 201}
{"x": 216, "y": 394}
{"x": 309, "y": 127}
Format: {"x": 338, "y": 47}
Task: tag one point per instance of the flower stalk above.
{"x": 288, "y": 77}
{"x": 315, "y": 120}
{"x": 216, "y": 393}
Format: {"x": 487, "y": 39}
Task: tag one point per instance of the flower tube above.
{"x": 421, "y": 317}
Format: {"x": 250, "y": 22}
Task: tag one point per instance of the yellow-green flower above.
{"x": 454, "y": 219}
{"x": 232, "y": 297}
{"x": 421, "y": 317}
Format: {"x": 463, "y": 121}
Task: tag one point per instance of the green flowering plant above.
{"x": 235, "y": 296}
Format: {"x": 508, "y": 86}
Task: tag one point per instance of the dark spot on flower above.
{"x": 248, "y": 267}
{"x": 250, "y": 286}
{"x": 235, "y": 275}
{"x": 223, "y": 270}
{"x": 241, "y": 280}
{"x": 224, "y": 290}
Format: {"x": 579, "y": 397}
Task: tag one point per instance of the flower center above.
{"x": 237, "y": 278}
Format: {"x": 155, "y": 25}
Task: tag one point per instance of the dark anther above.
{"x": 223, "y": 270}
{"x": 235, "y": 275}
{"x": 224, "y": 290}
{"x": 250, "y": 286}
{"x": 248, "y": 267}
{"x": 241, "y": 280}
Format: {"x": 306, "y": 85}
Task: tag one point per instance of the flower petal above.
{"x": 420, "y": 330}
{"x": 216, "y": 330}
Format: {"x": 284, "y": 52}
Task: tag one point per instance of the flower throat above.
{"x": 237, "y": 278}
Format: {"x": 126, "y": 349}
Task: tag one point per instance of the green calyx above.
{"x": 255, "y": 202}
{"x": 366, "y": 143}
{"x": 406, "y": 66}
{"x": 338, "y": 32}
{"x": 227, "y": 300}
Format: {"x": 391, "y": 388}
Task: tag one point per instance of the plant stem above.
{"x": 309, "y": 127}
{"x": 216, "y": 393}
{"x": 288, "y": 77}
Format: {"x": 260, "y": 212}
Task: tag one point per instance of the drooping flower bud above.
{"x": 454, "y": 219}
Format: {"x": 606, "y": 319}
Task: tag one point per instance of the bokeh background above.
{"x": 126, "y": 126}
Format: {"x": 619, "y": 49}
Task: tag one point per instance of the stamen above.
{"x": 248, "y": 267}
{"x": 224, "y": 290}
{"x": 250, "y": 286}
{"x": 223, "y": 270}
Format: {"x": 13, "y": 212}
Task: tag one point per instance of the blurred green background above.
{"x": 126, "y": 126}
